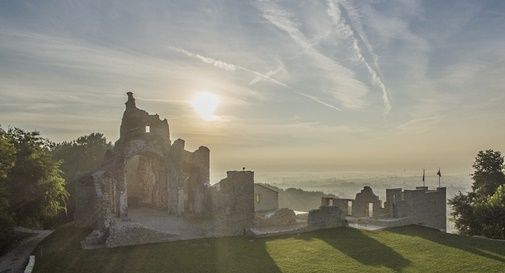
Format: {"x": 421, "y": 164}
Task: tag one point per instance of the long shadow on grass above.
{"x": 61, "y": 252}
{"x": 60, "y": 249}
{"x": 241, "y": 254}
{"x": 364, "y": 249}
{"x": 485, "y": 248}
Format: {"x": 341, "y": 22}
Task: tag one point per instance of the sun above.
{"x": 205, "y": 104}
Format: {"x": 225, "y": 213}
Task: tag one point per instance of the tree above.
{"x": 463, "y": 214}
{"x": 78, "y": 157}
{"x": 7, "y": 153}
{"x": 491, "y": 214}
{"x": 482, "y": 211}
{"x": 35, "y": 184}
{"x": 7, "y": 158}
{"x": 81, "y": 155}
{"x": 488, "y": 174}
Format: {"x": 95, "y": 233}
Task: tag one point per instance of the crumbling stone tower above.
{"x": 164, "y": 175}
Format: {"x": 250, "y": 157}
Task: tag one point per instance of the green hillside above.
{"x": 407, "y": 249}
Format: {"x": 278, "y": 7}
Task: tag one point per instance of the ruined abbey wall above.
{"x": 146, "y": 169}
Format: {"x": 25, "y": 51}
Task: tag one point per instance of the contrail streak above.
{"x": 341, "y": 16}
{"x": 268, "y": 74}
{"x": 233, "y": 67}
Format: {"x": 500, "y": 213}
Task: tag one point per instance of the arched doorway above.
{"x": 142, "y": 177}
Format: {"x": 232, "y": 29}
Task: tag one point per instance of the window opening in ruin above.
{"x": 257, "y": 198}
{"x": 148, "y": 129}
{"x": 331, "y": 202}
{"x": 349, "y": 207}
{"x": 370, "y": 209}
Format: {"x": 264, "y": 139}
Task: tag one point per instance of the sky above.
{"x": 301, "y": 86}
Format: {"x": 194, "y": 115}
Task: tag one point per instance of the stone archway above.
{"x": 144, "y": 182}
{"x": 141, "y": 179}
{"x": 165, "y": 175}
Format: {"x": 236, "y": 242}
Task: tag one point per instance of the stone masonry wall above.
{"x": 326, "y": 217}
{"x": 232, "y": 202}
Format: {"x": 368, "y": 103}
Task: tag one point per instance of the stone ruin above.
{"x": 146, "y": 169}
{"x": 150, "y": 189}
{"x": 326, "y": 217}
{"x": 278, "y": 218}
{"x": 402, "y": 207}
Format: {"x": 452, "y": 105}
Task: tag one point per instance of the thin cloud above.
{"x": 269, "y": 74}
{"x": 217, "y": 63}
{"x": 281, "y": 19}
{"x": 227, "y": 66}
{"x": 420, "y": 125}
{"x": 347, "y": 18}
{"x": 349, "y": 90}
{"x": 318, "y": 101}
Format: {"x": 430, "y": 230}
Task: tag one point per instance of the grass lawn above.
{"x": 406, "y": 249}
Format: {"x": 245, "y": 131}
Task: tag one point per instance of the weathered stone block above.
{"x": 326, "y": 217}
{"x": 280, "y": 217}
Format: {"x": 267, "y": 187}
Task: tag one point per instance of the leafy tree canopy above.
{"x": 81, "y": 155}
{"x": 35, "y": 184}
{"x": 7, "y": 157}
{"x": 491, "y": 214}
{"x": 488, "y": 174}
{"x": 482, "y": 211}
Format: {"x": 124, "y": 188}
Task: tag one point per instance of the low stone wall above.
{"x": 326, "y": 217}
{"x": 129, "y": 233}
{"x": 379, "y": 223}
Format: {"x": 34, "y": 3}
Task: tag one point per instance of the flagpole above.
{"x": 424, "y": 182}
{"x": 439, "y": 175}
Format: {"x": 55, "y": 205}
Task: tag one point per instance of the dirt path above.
{"x": 15, "y": 260}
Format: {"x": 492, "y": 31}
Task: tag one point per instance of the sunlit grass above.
{"x": 408, "y": 249}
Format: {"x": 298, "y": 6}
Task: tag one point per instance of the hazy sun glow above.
{"x": 205, "y": 104}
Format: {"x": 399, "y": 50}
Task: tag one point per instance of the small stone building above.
{"x": 266, "y": 198}
{"x": 423, "y": 206}
{"x": 366, "y": 204}
{"x": 232, "y": 203}
{"x": 420, "y": 206}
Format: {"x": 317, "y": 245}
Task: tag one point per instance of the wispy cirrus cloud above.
{"x": 420, "y": 125}
{"x": 270, "y": 73}
{"x": 345, "y": 85}
{"x": 281, "y": 19}
{"x": 226, "y": 66}
{"x": 217, "y": 63}
{"x": 348, "y": 20}
{"x": 280, "y": 67}
{"x": 268, "y": 76}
